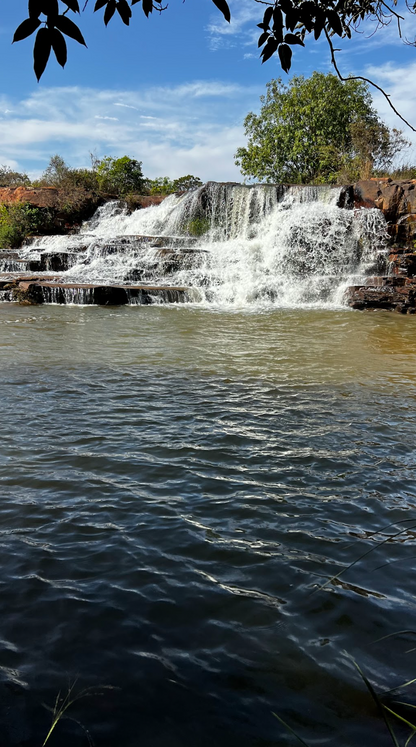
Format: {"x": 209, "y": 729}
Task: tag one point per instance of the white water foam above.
{"x": 266, "y": 246}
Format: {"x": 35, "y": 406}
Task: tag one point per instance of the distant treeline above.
{"x": 80, "y": 192}
{"x": 115, "y": 176}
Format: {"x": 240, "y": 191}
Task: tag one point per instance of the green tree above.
{"x": 187, "y": 183}
{"x": 120, "y": 176}
{"x": 311, "y": 129}
{"x": 56, "y": 173}
{"x": 162, "y": 185}
{"x": 10, "y": 178}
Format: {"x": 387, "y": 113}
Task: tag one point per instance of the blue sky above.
{"x": 171, "y": 90}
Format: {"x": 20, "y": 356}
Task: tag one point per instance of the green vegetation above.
{"x": 79, "y": 193}
{"x": 198, "y": 226}
{"x": 19, "y": 220}
{"x": 317, "y": 130}
{"x": 115, "y": 177}
{"x": 120, "y": 176}
{"x": 65, "y": 702}
{"x": 165, "y": 186}
{"x": 9, "y": 178}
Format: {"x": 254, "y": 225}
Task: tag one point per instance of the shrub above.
{"x": 19, "y": 220}
{"x": 198, "y": 226}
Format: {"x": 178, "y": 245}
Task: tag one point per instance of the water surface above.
{"x": 176, "y": 485}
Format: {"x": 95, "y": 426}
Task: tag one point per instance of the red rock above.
{"x": 37, "y": 196}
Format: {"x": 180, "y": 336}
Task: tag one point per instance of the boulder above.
{"x": 389, "y": 293}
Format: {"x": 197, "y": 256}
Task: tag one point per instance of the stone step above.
{"x": 391, "y": 293}
{"x": 31, "y": 291}
{"x": 82, "y": 241}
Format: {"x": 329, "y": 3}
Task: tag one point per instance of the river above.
{"x": 177, "y": 484}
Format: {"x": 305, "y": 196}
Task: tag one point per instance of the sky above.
{"x": 172, "y": 90}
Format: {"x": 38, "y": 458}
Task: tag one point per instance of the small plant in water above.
{"x": 64, "y": 703}
{"x": 198, "y": 226}
{"x": 392, "y": 710}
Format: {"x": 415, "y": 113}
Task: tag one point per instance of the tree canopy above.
{"x": 284, "y": 24}
{"x": 316, "y": 129}
{"x": 162, "y": 185}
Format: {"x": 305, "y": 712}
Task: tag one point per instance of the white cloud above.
{"x": 244, "y": 16}
{"x": 126, "y": 106}
{"x": 398, "y": 83}
{"x": 195, "y": 127}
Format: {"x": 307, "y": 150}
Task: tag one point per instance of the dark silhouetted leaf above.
{"x": 41, "y": 51}
{"x": 294, "y": 39}
{"x": 50, "y": 7}
{"x": 334, "y": 21}
{"x": 319, "y": 24}
{"x": 147, "y": 7}
{"x": 269, "y": 49}
{"x": 100, "y": 4}
{"x": 263, "y": 26}
{"x": 124, "y": 11}
{"x": 109, "y": 11}
{"x": 263, "y": 38}
{"x": 277, "y": 18}
{"x": 26, "y": 29}
{"x": 286, "y": 5}
{"x": 285, "y": 54}
{"x": 267, "y": 16}
{"x": 291, "y": 19}
{"x": 69, "y": 28}
{"x": 222, "y": 5}
{"x": 35, "y": 8}
{"x": 72, "y": 5}
{"x": 59, "y": 47}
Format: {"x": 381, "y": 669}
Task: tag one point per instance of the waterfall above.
{"x": 231, "y": 245}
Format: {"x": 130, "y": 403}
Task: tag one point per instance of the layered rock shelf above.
{"x": 333, "y": 239}
{"x": 388, "y": 293}
{"x": 396, "y": 289}
{"x": 33, "y": 291}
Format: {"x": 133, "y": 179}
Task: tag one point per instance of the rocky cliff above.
{"x": 396, "y": 291}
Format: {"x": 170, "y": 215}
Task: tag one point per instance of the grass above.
{"x": 388, "y": 711}
{"x": 64, "y": 703}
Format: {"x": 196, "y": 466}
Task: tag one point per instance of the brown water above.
{"x": 176, "y": 484}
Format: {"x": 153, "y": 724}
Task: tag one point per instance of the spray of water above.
{"x": 261, "y": 246}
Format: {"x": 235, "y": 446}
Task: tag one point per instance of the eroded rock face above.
{"x": 38, "y": 197}
{"x": 388, "y": 293}
{"x": 397, "y": 200}
{"x": 33, "y": 291}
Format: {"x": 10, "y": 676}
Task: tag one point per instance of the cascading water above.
{"x": 266, "y": 245}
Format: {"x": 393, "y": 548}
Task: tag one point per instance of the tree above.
{"x": 187, "y": 183}
{"x": 56, "y": 173}
{"x": 284, "y": 25}
{"x": 162, "y": 185}
{"x": 9, "y": 178}
{"x": 120, "y": 176}
{"x": 314, "y": 127}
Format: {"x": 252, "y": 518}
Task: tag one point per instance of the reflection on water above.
{"x": 176, "y": 484}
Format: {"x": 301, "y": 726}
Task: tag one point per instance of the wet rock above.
{"x": 27, "y": 294}
{"x": 346, "y": 197}
{"x": 396, "y": 199}
{"x": 389, "y": 293}
{"x": 30, "y": 292}
{"x": 402, "y": 262}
